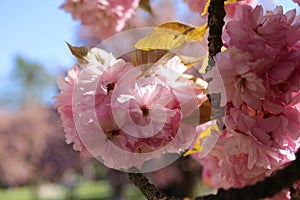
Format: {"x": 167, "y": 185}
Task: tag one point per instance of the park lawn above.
{"x": 99, "y": 190}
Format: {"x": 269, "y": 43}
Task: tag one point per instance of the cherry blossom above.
{"x": 242, "y": 83}
{"x": 274, "y": 30}
{"x": 260, "y": 72}
{"x": 114, "y": 110}
{"x": 103, "y": 18}
{"x": 230, "y": 8}
{"x": 238, "y": 160}
{"x": 297, "y": 1}
{"x": 64, "y": 105}
{"x": 196, "y": 6}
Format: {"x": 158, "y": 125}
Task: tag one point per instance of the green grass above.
{"x": 90, "y": 190}
{"x": 84, "y": 191}
{"x": 20, "y": 193}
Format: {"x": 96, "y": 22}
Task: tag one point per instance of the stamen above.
{"x": 145, "y": 110}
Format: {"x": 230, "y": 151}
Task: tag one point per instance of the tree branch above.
{"x": 149, "y": 190}
{"x": 216, "y": 14}
{"x": 267, "y": 188}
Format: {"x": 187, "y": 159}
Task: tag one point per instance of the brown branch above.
{"x": 267, "y": 188}
{"x": 283, "y": 178}
{"x": 216, "y": 14}
{"x": 149, "y": 190}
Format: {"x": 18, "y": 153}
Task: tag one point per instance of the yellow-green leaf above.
{"x": 191, "y": 61}
{"x": 160, "y": 41}
{"x": 231, "y": 1}
{"x": 142, "y": 57}
{"x": 205, "y": 10}
{"x": 171, "y": 35}
{"x": 197, "y": 147}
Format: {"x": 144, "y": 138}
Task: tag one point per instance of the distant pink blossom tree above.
{"x": 30, "y": 151}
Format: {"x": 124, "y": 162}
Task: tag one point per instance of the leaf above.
{"x": 204, "y": 64}
{"x": 231, "y": 1}
{"x": 80, "y": 53}
{"x": 142, "y": 57}
{"x": 155, "y": 47}
{"x": 197, "y": 147}
{"x": 145, "y": 5}
{"x": 191, "y": 61}
{"x": 205, "y": 10}
{"x": 160, "y": 41}
{"x": 85, "y": 55}
{"x": 205, "y": 112}
{"x": 171, "y": 35}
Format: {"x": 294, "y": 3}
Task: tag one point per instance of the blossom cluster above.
{"x": 260, "y": 70}
{"x": 102, "y": 17}
{"x": 125, "y": 115}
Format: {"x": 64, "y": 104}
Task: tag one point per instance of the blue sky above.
{"x": 37, "y": 30}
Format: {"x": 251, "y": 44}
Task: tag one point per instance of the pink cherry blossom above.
{"x": 146, "y": 105}
{"x": 64, "y": 107}
{"x": 280, "y": 131}
{"x": 124, "y": 117}
{"x": 228, "y": 165}
{"x": 255, "y": 67}
{"x": 260, "y": 73}
{"x": 103, "y": 18}
{"x": 238, "y": 160}
{"x": 230, "y": 9}
{"x": 196, "y": 6}
{"x": 274, "y": 30}
{"x": 186, "y": 92}
{"x": 297, "y": 1}
{"x": 238, "y": 70}
{"x": 284, "y": 74}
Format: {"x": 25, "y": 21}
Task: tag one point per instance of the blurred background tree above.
{"x": 32, "y": 146}
{"x": 33, "y": 78}
{"x": 30, "y": 81}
